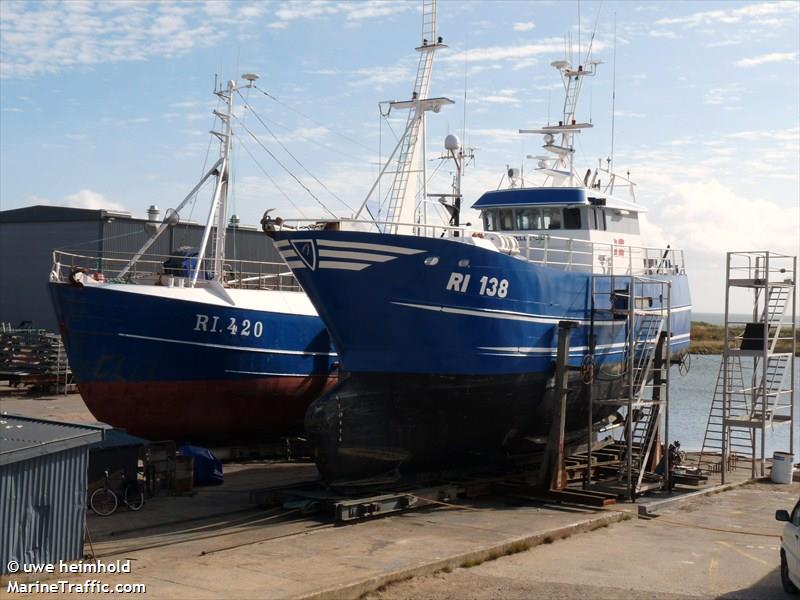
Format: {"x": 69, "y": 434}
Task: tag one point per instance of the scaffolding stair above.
{"x": 647, "y": 357}
{"x": 752, "y": 392}
{"x": 740, "y": 441}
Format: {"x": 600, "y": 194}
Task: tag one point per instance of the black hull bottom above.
{"x": 371, "y": 423}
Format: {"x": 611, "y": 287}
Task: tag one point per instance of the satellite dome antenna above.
{"x": 251, "y": 78}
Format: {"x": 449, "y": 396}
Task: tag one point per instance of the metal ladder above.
{"x": 740, "y": 441}
{"x": 642, "y": 384}
{"x": 647, "y": 358}
{"x": 768, "y": 395}
{"x": 405, "y": 158}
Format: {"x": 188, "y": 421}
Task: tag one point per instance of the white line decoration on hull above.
{"x": 574, "y": 350}
{"x": 490, "y": 313}
{"x": 224, "y": 347}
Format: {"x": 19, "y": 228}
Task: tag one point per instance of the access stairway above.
{"x": 753, "y": 391}
{"x": 644, "y": 393}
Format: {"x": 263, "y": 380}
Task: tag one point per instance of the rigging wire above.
{"x": 285, "y": 149}
{"x": 305, "y": 116}
{"x": 272, "y": 181}
{"x": 285, "y": 168}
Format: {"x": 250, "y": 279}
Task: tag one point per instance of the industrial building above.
{"x": 29, "y": 235}
{"x": 43, "y": 485}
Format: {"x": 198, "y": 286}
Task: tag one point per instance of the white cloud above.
{"x": 525, "y": 26}
{"x": 762, "y": 59}
{"x": 49, "y": 37}
{"x": 670, "y": 35}
{"x": 550, "y": 46}
{"x": 751, "y": 14}
{"x": 85, "y": 198}
{"x": 377, "y": 77}
{"x": 725, "y": 95}
{"x": 707, "y": 219}
{"x": 353, "y": 12}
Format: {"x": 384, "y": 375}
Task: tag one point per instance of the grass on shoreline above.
{"x": 707, "y": 339}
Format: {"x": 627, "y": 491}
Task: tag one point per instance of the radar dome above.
{"x": 451, "y": 142}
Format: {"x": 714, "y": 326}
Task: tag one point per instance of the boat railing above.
{"x": 416, "y": 229}
{"x": 566, "y": 253}
{"x": 151, "y": 269}
{"x": 572, "y": 254}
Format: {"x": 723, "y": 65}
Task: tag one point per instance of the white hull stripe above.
{"x": 224, "y": 347}
{"x": 490, "y": 313}
{"x": 365, "y": 246}
{"x": 578, "y": 350}
{"x": 342, "y": 266}
{"x": 356, "y": 255}
{"x": 273, "y": 374}
{"x": 282, "y": 244}
{"x": 296, "y": 264}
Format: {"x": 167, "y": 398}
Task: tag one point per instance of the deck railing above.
{"x": 570, "y": 254}
{"x": 573, "y": 254}
{"x": 150, "y": 269}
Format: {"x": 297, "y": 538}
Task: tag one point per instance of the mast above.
{"x": 218, "y": 211}
{"x": 401, "y": 204}
{"x": 562, "y": 169}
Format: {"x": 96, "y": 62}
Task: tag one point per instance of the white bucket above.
{"x": 782, "y": 467}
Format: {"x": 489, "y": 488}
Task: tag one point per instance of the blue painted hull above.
{"x": 443, "y": 368}
{"x": 398, "y": 315}
{"x": 150, "y": 365}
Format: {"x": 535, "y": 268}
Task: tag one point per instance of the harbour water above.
{"x": 690, "y": 401}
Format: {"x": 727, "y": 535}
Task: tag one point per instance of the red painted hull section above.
{"x": 205, "y": 410}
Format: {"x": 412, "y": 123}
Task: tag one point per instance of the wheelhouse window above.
{"x": 572, "y": 218}
{"x": 528, "y": 218}
{"x": 490, "y": 220}
{"x": 623, "y": 222}
{"x": 551, "y": 218}
{"x": 506, "y": 219}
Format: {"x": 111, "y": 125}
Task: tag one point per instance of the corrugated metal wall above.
{"x": 43, "y": 508}
{"x": 26, "y": 255}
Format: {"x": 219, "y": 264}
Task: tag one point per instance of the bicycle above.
{"x": 104, "y": 500}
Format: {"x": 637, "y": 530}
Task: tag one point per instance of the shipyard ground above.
{"x": 215, "y": 544}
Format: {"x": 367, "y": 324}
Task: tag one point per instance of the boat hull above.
{"x": 180, "y": 367}
{"x": 382, "y": 423}
{"x": 449, "y": 348}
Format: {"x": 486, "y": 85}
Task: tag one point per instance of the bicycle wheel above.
{"x": 133, "y": 496}
{"x": 103, "y": 501}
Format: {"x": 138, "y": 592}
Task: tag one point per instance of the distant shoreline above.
{"x": 707, "y": 338}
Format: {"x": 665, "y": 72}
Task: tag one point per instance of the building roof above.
{"x": 23, "y": 438}
{"x": 41, "y": 213}
{"x": 552, "y": 196}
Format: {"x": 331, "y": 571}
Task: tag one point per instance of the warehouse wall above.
{"x": 43, "y": 508}
{"x": 26, "y": 255}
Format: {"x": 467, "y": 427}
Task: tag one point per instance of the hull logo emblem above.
{"x": 307, "y": 252}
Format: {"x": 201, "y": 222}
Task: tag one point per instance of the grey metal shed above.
{"x": 43, "y": 486}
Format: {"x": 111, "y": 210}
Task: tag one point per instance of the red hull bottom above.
{"x": 205, "y": 410}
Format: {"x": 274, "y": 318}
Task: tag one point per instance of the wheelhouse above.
{"x": 568, "y": 212}
{"x": 572, "y": 228}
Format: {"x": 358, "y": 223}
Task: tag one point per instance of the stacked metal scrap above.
{"x": 33, "y": 357}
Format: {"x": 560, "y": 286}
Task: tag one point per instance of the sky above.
{"x": 108, "y": 105}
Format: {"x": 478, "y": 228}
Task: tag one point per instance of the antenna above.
{"x": 579, "y": 29}
{"x": 464, "y": 118}
{"x": 613, "y": 95}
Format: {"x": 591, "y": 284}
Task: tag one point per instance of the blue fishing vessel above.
{"x": 447, "y": 335}
{"x": 193, "y": 345}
